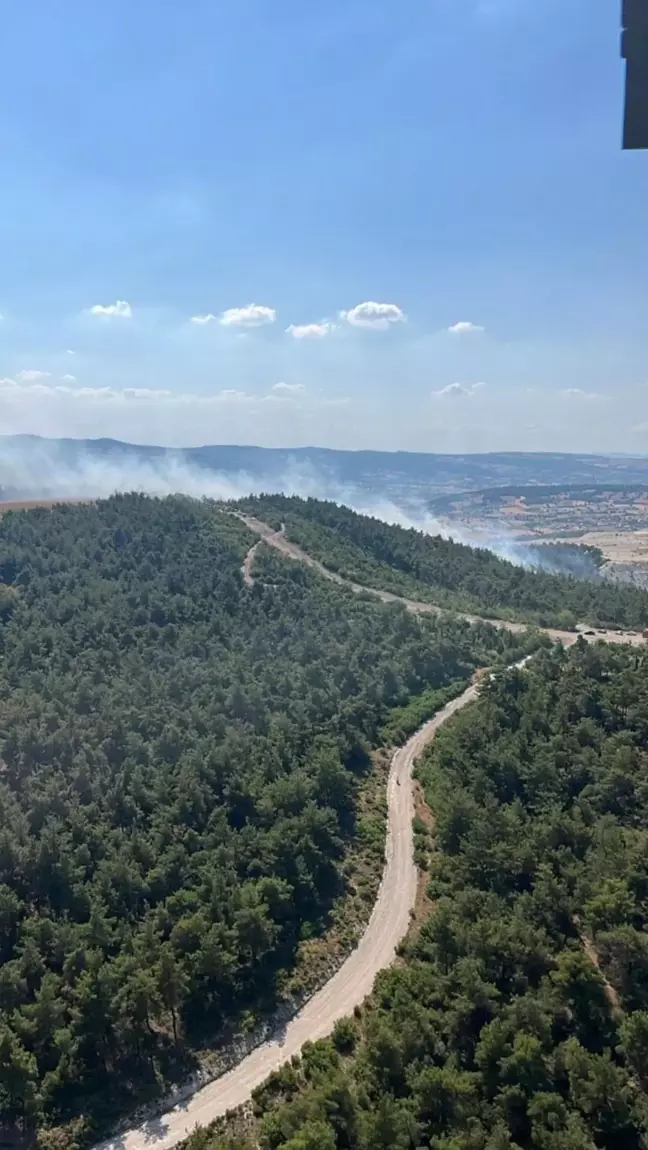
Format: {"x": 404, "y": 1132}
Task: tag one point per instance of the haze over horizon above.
{"x": 360, "y": 227}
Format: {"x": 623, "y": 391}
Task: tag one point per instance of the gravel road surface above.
{"x": 388, "y": 923}
{"x": 278, "y": 540}
{"x": 345, "y": 990}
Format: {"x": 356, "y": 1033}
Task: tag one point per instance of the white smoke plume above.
{"x": 34, "y": 468}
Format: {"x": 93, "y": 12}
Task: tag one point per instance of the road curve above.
{"x": 278, "y": 540}
{"x": 389, "y": 919}
{"x": 346, "y": 989}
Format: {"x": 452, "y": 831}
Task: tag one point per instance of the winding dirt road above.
{"x": 278, "y": 540}
{"x": 388, "y": 923}
{"x": 346, "y": 989}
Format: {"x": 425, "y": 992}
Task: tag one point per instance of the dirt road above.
{"x": 278, "y": 540}
{"x": 387, "y": 926}
{"x": 349, "y": 987}
{"x": 248, "y": 564}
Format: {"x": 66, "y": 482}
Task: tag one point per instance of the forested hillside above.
{"x": 180, "y": 760}
{"x": 520, "y": 1017}
{"x": 411, "y": 563}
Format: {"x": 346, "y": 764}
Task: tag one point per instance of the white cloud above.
{"x": 289, "y": 387}
{"x": 31, "y": 375}
{"x": 578, "y": 394}
{"x": 311, "y": 330}
{"x": 465, "y": 327}
{"x": 379, "y": 316}
{"x": 229, "y": 395}
{"x": 279, "y": 397}
{"x": 87, "y": 393}
{"x": 254, "y": 315}
{"x": 202, "y": 319}
{"x": 152, "y": 414}
{"x": 69, "y": 351}
{"x": 453, "y": 389}
{"x": 67, "y": 378}
{"x": 119, "y": 310}
{"x": 144, "y": 392}
{"x": 458, "y": 390}
{"x": 29, "y": 386}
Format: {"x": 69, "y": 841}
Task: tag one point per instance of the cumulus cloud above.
{"x": 67, "y": 378}
{"x": 70, "y": 351}
{"x": 118, "y": 310}
{"x": 157, "y": 415}
{"x": 31, "y": 375}
{"x": 311, "y": 330}
{"x": 577, "y": 393}
{"x": 21, "y": 392}
{"x": 453, "y": 389}
{"x": 254, "y": 315}
{"x": 465, "y": 327}
{"x": 229, "y": 395}
{"x": 457, "y": 390}
{"x": 379, "y": 316}
{"x": 289, "y": 387}
{"x": 201, "y": 320}
{"x": 143, "y": 392}
{"x": 279, "y": 397}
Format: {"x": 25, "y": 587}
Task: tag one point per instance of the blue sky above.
{"x": 277, "y": 169}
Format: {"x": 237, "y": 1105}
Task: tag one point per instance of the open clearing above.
{"x": 617, "y": 546}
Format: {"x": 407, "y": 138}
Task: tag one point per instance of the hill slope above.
{"x": 411, "y": 563}
{"x": 519, "y": 1018}
{"x": 181, "y": 758}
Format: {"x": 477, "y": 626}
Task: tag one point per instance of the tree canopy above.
{"x": 412, "y": 563}
{"x": 519, "y": 1018}
{"x": 180, "y": 758}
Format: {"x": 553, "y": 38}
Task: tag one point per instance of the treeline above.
{"x": 583, "y": 562}
{"x": 180, "y": 757}
{"x": 519, "y": 1020}
{"x": 409, "y": 562}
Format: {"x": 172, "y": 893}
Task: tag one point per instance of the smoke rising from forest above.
{"x": 42, "y": 469}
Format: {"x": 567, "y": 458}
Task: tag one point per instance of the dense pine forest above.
{"x": 180, "y": 759}
{"x": 409, "y": 562}
{"x": 519, "y": 1017}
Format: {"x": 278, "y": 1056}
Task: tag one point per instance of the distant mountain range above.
{"x": 31, "y": 466}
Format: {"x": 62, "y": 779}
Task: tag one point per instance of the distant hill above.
{"x": 31, "y": 467}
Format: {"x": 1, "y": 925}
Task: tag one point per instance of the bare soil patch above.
{"x": 30, "y": 504}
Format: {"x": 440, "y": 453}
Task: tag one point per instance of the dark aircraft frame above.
{"x": 634, "y": 49}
